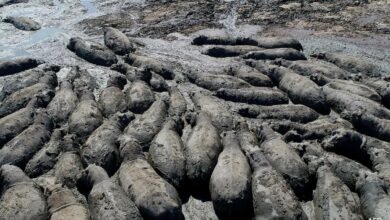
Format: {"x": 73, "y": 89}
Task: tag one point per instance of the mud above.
{"x": 178, "y": 82}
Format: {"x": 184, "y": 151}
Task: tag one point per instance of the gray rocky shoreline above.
{"x": 144, "y": 109}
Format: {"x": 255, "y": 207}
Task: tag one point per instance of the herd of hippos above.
{"x": 297, "y": 130}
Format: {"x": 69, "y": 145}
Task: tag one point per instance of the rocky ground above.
{"x": 241, "y": 109}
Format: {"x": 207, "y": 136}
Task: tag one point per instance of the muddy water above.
{"x": 89, "y": 6}
{"x": 51, "y": 16}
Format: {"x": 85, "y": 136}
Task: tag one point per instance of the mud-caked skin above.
{"x": 167, "y": 156}
{"x": 20, "y": 98}
{"x": 25, "y": 79}
{"x": 162, "y": 69}
{"x": 355, "y": 88}
{"x": 13, "y": 124}
{"x": 382, "y": 87}
{"x": 133, "y": 73}
{"x": 45, "y": 159}
{"x": 20, "y": 198}
{"x": 63, "y": 103}
{"x": 86, "y": 117}
{"x": 95, "y": 54}
{"x": 272, "y": 54}
{"x": 107, "y": 200}
{"x": 112, "y": 99}
{"x": 345, "y": 101}
{"x": 63, "y": 204}
{"x": 278, "y": 152}
{"x": 254, "y": 95}
{"x": 201, "y": 150}
{"x": 350, "y": 63}
{"x": 18, "y": 65}
{"x": 69, "y": 166}
{"x": 221, "y": 116}
{"x": 23, "y": 23}
{"x": 158, "y": 83}
{"x": 147, "y": 125}
{"x": 11, "y": 2}
{"x": 251, "y": 75}
{"x": 154, "y": 196}
{"x": 314, "y": 67}
{"x": 345, "y": 169}
{"x": 278, "y": 42}
{"x": 367, "y": 150}
{"x": 229, "y": 51}
{"x": 300, "y": 89}
{"x": 101, "y": 146}
{"x": 230, "y": 181}
{"x": 272, "y": 196}
{"x": 214, "y": 82}
{"x": 223, "y": 40}
{"x": 177, "y": 103}
{"x": 333, "y": 199}
{"x": 369, "y": 124}
{"x": 295, "y": 113}
{"x": 317, "y": 129}
{"x": 22, "y": 148}
{"x": 117, "y": 41}
{"x": 139, "y": 97}
{"x": 373, "y": 197}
